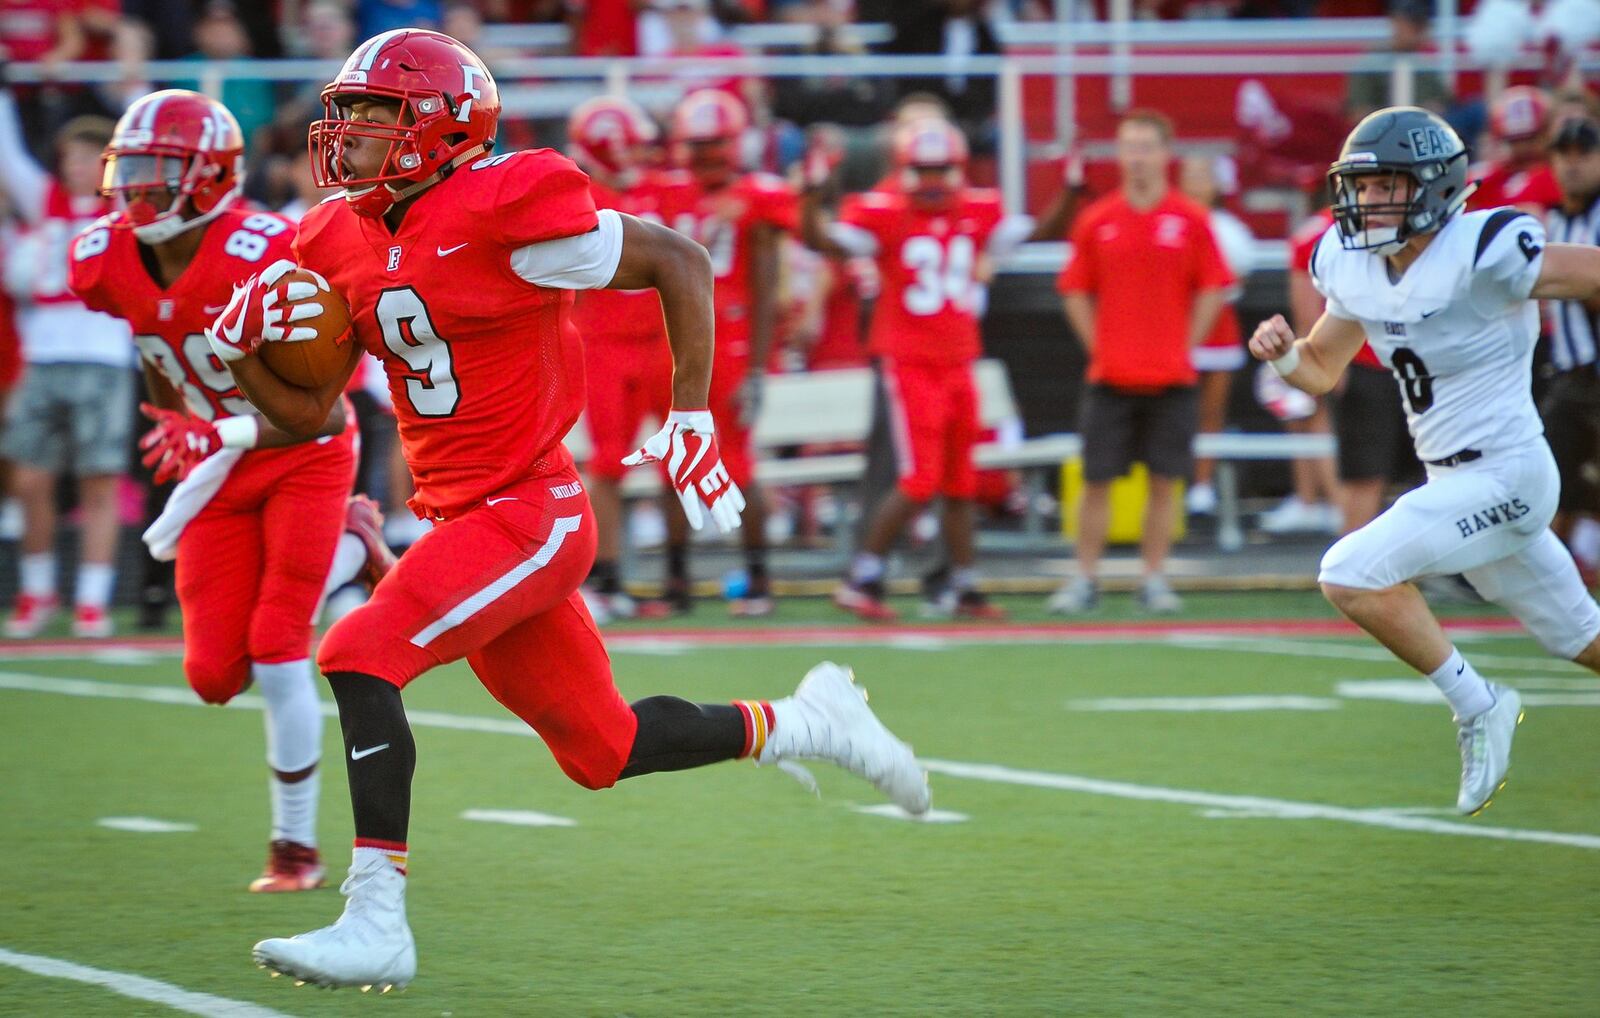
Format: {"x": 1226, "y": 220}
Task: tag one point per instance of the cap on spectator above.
{"x": 1519, "y": 113}
{"x": 1576, "y": 133}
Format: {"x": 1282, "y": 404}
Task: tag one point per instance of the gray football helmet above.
{"x": 1399, "y": 140}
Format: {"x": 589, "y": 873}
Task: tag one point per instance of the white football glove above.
{"x": 688, "y": 445}
{"x": 275, "y": 321}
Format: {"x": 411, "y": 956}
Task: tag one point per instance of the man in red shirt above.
{"x": 1522, "y": 175}
{"x": 1143, "y": 285}
{"x": 459, "y": 267}
{"x": 738, "y": 218}
{"x": 255, "y": 534}
{"x": 624, "y": 338}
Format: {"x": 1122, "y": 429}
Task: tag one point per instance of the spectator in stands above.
{"x": 375, "y": 16}
{"x": 133, "y": 46}
{"x": 605, "y": 28}
{"x": 46, "y": 31}
{"x": 1144, "y": 286}
{"x": 956, "y": 30}
{"x": 853, "y": 101}
{"x": 1369, "y": 87}
{"x": 219, "y": 34}
{"x": 1571, "y": 405}
{"x": 1208, "y": 180}
{"x": 74, "y": 408}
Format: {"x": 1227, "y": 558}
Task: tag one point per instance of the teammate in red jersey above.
{"x": 624, "y": 338}
{"x": 256, "y": 518}
{"x": 459, "y": 268}
{"x": 738, "y": 218}
{"x": 934, "y": 239}
{"x": 1522, "y": 176}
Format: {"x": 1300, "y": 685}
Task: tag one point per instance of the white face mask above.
{"x": 1381, "y": 240}
{"x": 172, "y": 223}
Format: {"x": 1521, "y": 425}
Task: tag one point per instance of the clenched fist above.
{"x": 1273, "y": 339}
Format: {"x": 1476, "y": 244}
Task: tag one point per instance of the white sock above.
{"x": 38, "y": 574}
{"x": 1468, "y": 693}
{"x": 348, "y": 558}
{"x": 867, "y": 568}
{"x": 294, "y": 742}
{"x": 94, "y": 584}
{"x": 365, "y": 857}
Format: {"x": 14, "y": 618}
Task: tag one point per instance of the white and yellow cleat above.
{"x": 1485, "y": 743}
{"x": 370, "y": 946}
{"x": 827, "y": 718}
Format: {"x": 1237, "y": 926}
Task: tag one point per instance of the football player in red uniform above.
{"x": 738, "y": 218}
{"x": 459, "y": 268}
{"x": 624, "y": 337}
{"x": 934, "y": 239}
{"x": 1522, "y": 176}
{"x": 258, "y": 514}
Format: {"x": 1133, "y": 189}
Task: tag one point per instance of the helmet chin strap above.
{"x": 174, "y": 225}
{"x": 417, "y": 187}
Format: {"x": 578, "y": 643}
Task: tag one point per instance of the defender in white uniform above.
{"x": 1447, "y": 301}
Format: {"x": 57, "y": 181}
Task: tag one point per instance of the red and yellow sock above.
{"x": 394, "y": 851}
{"x": 758, "y": 723}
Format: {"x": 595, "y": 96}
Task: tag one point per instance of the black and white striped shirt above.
{"x": 1575, "y": 339}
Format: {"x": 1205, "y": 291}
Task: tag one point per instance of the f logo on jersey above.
{"x": 394, "y": 258}
{"x": 165, "y": 309}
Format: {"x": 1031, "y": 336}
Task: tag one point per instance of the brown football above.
{"x": 312, "y": 362}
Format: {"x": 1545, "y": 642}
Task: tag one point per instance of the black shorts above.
{"x": 1121, "y": 428}
{"x": 1371, "y": 426}
{"x": 1571, "y": 412}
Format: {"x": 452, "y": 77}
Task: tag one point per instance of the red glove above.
{"x": 688, "y": 445}
{"x": 177, "y": 443}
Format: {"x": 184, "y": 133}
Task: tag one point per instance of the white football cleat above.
{"x": 1485, "y": 744}
{"x": 828, "y": 719}
{"x": 370, "y": 946}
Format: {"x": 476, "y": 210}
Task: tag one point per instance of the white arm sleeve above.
{"x": 853, "y": 239}
{"x": 585, "y": 262}
{"x": 1009, "y": 235}
{"x": 25, "y": 180}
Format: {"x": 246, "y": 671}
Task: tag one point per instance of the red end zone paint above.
{"x": 772, "y": 635}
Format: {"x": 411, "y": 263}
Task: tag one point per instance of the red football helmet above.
{"x": 706, "y": 128}
{"x": 605, "y": 131}
{"x": 1519, "y": 114}
{"x": 449, "y": 108}
{"x": 930, "y": 144}
{"x": 177, "y": 147}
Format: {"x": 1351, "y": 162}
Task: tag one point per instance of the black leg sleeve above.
{"x": 675, "y": 735}
{"x": 379, "y": 754}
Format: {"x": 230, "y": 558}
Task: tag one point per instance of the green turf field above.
{"x": 1294, "y": 858}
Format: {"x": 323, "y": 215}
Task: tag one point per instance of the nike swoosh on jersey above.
{"x": 497, "y": 501}
{"x": 452, "y": 250}
{"x": 219, "y": 309}
{"x": 357, "y": 754}
{"x": 1430, "y": 314}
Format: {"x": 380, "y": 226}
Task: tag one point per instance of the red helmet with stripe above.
{"x": 931, "y": 157}
{"x": 174, "y": 162}
{"x": 706, "y": 128}
{"x": 604, "y": 132}
{"x": 448, "y": 104}
{"x": 1519, "y": 114}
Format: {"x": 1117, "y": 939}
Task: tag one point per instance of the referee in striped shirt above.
{"x": 1571, "y": 407}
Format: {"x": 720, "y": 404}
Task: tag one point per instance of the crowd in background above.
{"x": 58, "y": 126}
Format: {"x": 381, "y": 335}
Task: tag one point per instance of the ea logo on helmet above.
{"x": 1428, "y": 141}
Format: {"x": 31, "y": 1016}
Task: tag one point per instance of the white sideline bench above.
{"x": 835, "y": 407}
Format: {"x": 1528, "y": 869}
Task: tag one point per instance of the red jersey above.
{"x": 28, "y": 28}
{"x": 485, "y": 368}
{"x": 109, "y": 274}
{"x": 1528, "y": 186}
{"x": 621, "y": 317}
{"x": 1302, "y": 245}
{"x": 1144, "y": 268}
{"x": 724, "y": 221}
{"x": 928, "y": 261}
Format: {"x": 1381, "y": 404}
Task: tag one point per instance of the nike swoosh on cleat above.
{"x": 452, "y": 250}
{"x": 357, "y": 754}
{"x": 1462, "y": 668}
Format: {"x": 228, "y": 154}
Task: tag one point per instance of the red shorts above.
{"x": 252, "y": 563}
{"x": 933, "y": 419}
{"x": 627, "y": 383}
{"x": 736, "y": 441}
{"x": 498, "y": 585}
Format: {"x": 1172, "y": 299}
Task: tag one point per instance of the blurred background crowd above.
{"x": 1258, "y": 93}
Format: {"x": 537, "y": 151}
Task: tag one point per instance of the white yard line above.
{"x": 137, "y": 987}
{"x": 1358, "y": 652}
{"x": 1279, "y": 808}
{"x": 518, "y": 818}
{"x": 1218, "y": 704}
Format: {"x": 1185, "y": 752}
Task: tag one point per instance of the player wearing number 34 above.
{"x": 459, "y": 267}
{"x": 256, "y": 521}
{"x": 1447, "y": 300}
